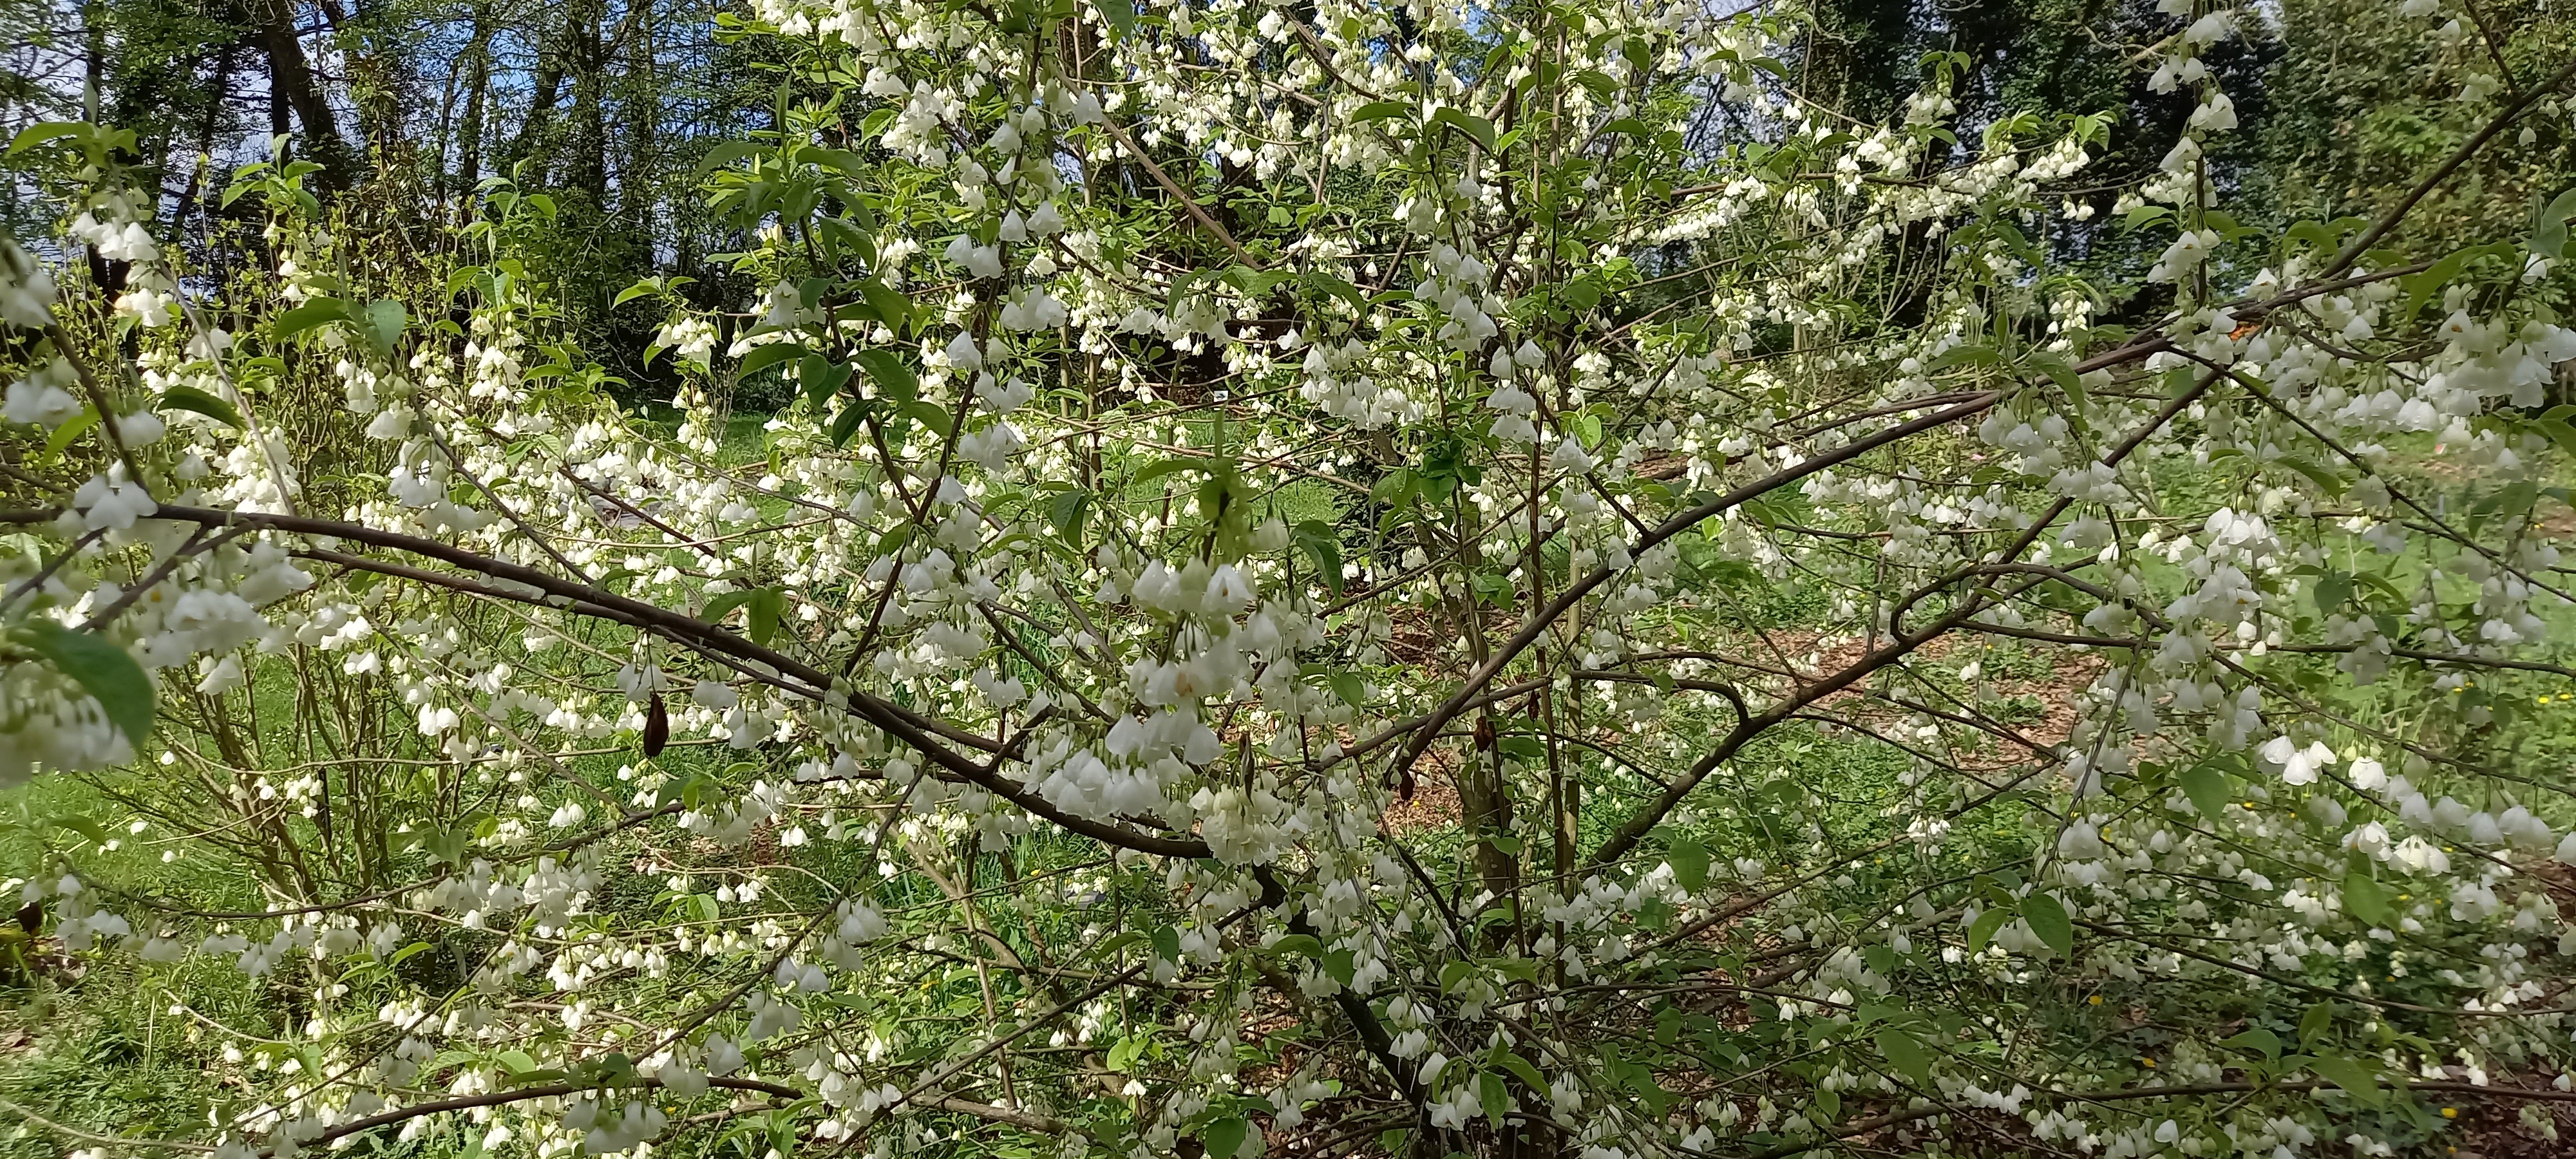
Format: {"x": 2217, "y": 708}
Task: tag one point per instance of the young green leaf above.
{"x": 2047, "y": 918}
{"x": 1225, "y": 1138}
{"x": 2208, "y": 789}
{"x": 101, "y": 668}
{"x": 190, "y": 398}
{"x": 1689, "y": 860}
{"x": 1906, "y": 1055}
{"x": 895, "y": 379}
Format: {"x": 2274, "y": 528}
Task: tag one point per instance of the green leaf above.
{"x": 1906, "y": 1055}
{"x": 1474, "y": 126}
{"x": 1489, "y": 1092}
{"x": 2331, "y": 590}
{"x": 308, "y": 316}
{"x": 890, "y": 305}
{"x": 384, "y": 323}
{"x": 638, "y": 290}
{"x": 2326, "y": 480}
{"x": 1338, "y": 288}
{"x": 2314, "y": 1024}
{"x": 1162, "y": 467}
{"x": 1352, "y": 689}
{"x": 1381, "y": 110}
{"x": 449, "y": 845}
{"x": 821, "y": 377}
{"x": 2047, "y": 918}
{"x": 2208, "y": 789}
{"x": 1781, "y": 506}
{"x": 2258, "y": 1040}
{"x": 720, "y": 606}
{"x": 71, "y": 429}
{"x": 2066, "y": 379}
{"x": 1225, "y": 1137}
{"x": 2350, "y": 1074}
{"x": 2143, "y": 216}
{"x": 2550, "y": 239}
{"x": 2425, "y": 285}
{"x": 1067, "y": 512}
{"x": 764, "y": 610}
{"x": 2365, "y": 899}
{"x": 1124, "y": 1054}
{"x": 839, "y": 236}
{"x": 895, "y": 379}
{"x": 1167, "y": 943}
{"x": 189, "y": 398}
{"x": 763, "y": 357}
{"x": 467, "y": 278}
{"x": 83, "y": 826}
{"x": 1521, "y": 1069}
{"x": 1121, "y": 15}
{"x": 1323, "y": 546}
{"x": 44, "y": 131}
{"x": 1689, "y": 860}
{"x": 928, "y": 414}
{"x": 847, "y": 423}
{"x": 101, "y": 668}
{"x": 1305, "y": 945}
{"x": 1255, "y": 283}
{"x": 724, "y": 154}
{"x": 1983, "y": 929}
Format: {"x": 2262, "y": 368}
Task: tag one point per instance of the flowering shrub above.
{"x": 1423, "y": 578}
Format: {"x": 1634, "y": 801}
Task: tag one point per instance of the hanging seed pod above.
{"x": 657, "y": 726}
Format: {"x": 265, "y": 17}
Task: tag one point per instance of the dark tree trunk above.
{"x": 293, "y": 85}
{"x": 207, "y": 129}
{"x": 588, "y": 168}
{"x": 478, "y": 90}
{"x": 546, "y": 87}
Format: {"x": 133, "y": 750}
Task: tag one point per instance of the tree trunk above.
{"x": 292, "y": 83}
{"x": 546, "y": 86}
{"x": 588, "y": 170}
{"x": 206, "y": 131}
{"x": 478, "y": 90}
{"x": 642, "y": 86}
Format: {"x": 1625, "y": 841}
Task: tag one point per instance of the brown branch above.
{"x": 1172, "y": 187}
{"x": 921, "y": 733}
{"x": 1429, "y": 724}
{"x": 519, "y": 1094}
{"x": 2353, "y": 250}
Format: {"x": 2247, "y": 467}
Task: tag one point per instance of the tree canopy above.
{"x": 1216, "y": 579}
